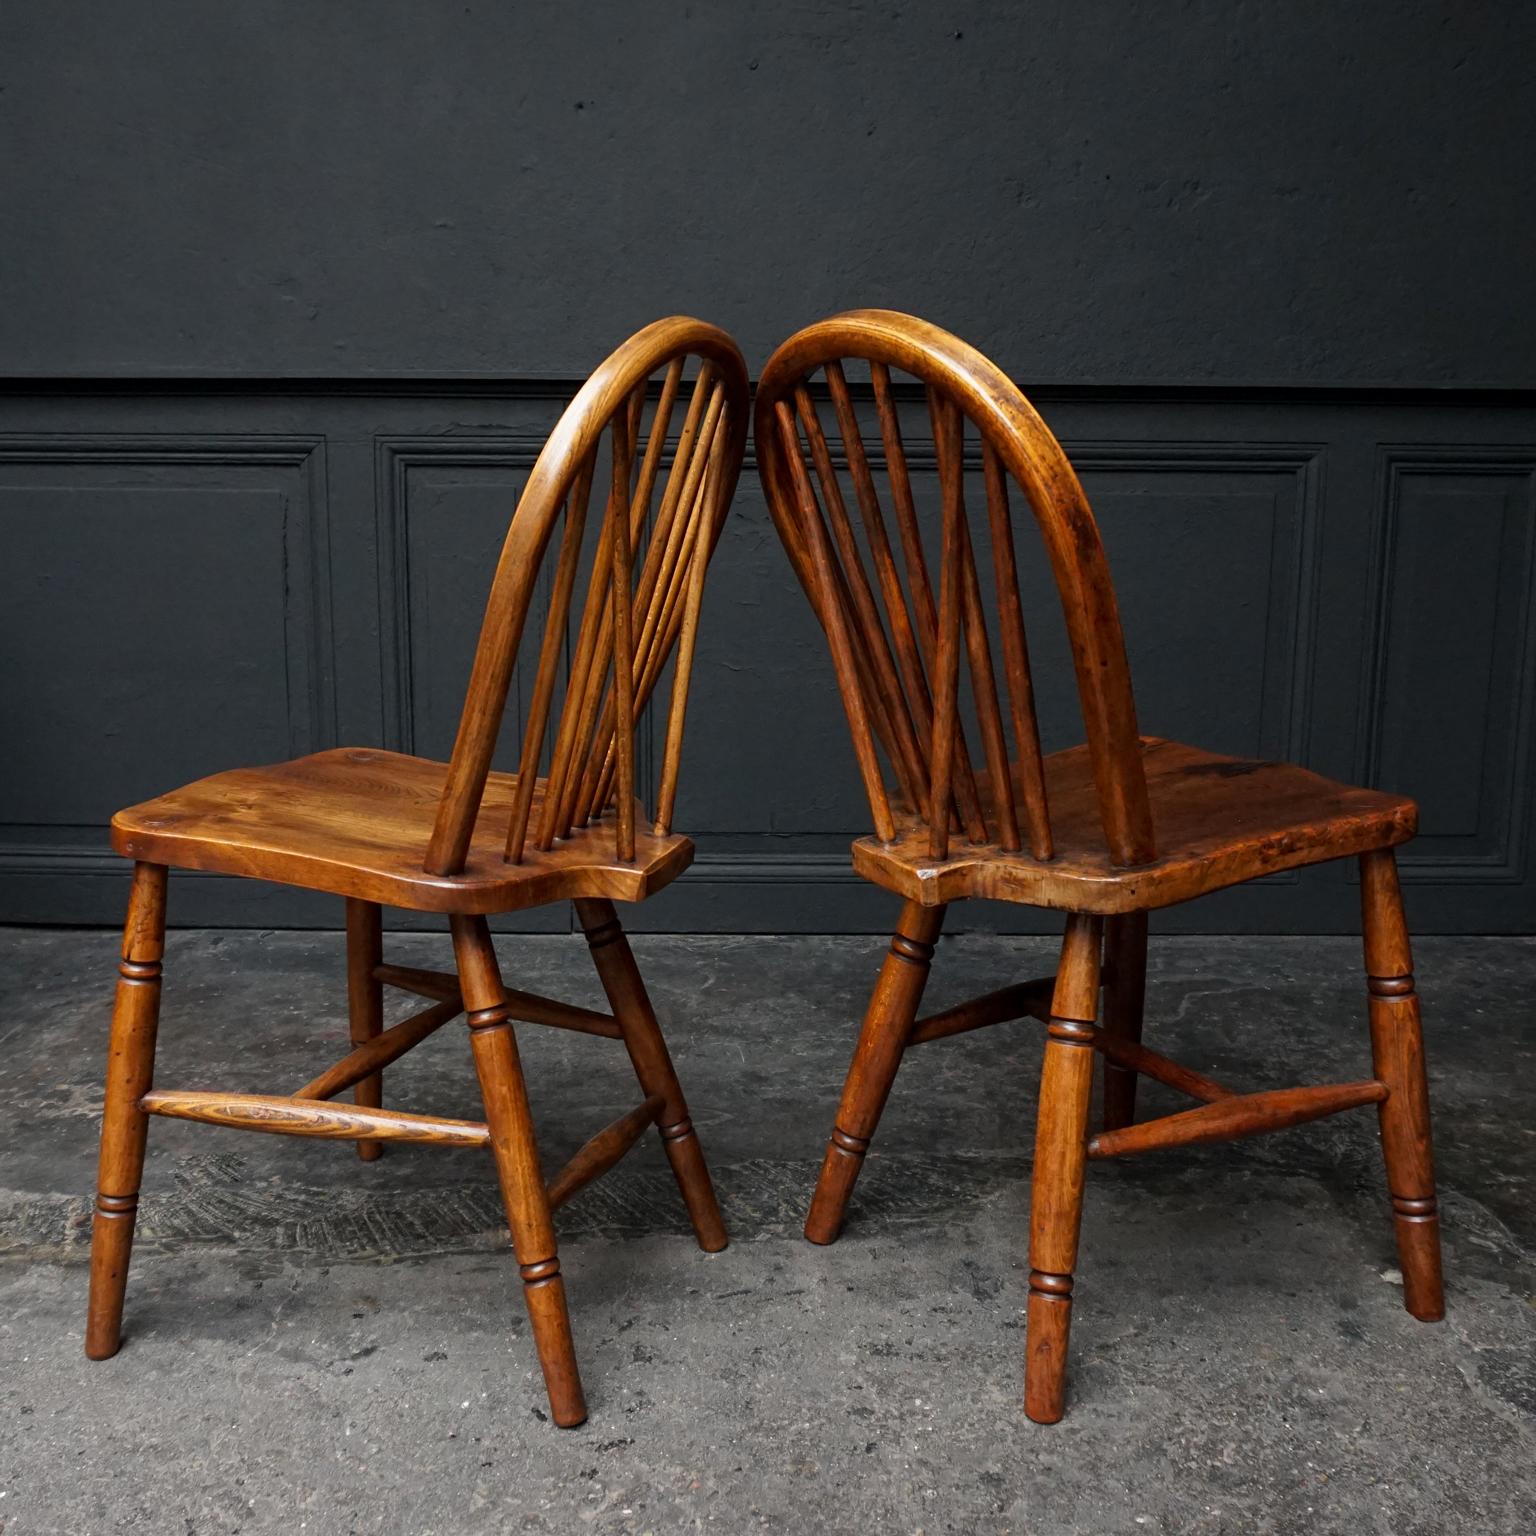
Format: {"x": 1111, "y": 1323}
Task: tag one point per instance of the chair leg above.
{"x": 887, "y": 1022}
{"x": 1056, "y": 1198}
{"x": 517, "y": 1166}
{"x": 124, "y": 1126}
{"x": 1125, "y": 992}
{"x": 1397, "y": 1048}
{"x": 365, "y": 1001}
{"x": 631, "y": 1005}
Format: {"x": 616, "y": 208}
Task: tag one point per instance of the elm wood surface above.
{"x": 523, "y": 1007}
{"x": 310, "y": 1117}
{"x": 1124, "y": 979}
{"x": 375, "y": 1054}
{"x": 356, "y": 821}
{"x": 365, "y": 1005}
{"x": 1220, "y": 820}
{"x": 458, "y": 838}
{"x": 1237, "y": 1114}
{"x": 1397, "y": 1048}
{"x": 599, "y": 1153}
{"x": 124, "y": 1124}
{"x": 1106, "y": 831}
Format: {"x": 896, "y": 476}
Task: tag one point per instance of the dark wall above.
{"x": 1103, "y": 192}
{"x": 268, "y": 270}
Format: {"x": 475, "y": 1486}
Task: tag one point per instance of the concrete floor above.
{"x": 318, "y": 1345}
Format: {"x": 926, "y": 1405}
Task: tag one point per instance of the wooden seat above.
{"x": 458, "y": 838}
{"x": 356, "y": 822}
{"x": 1220, "y": 820}
{"x": 965, "y": 804}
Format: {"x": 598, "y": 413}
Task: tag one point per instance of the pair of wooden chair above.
{"x": 1103, "y": 832}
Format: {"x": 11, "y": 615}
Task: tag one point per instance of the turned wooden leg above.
{"x": 631, "y": 1005}
{"x": 1397, "y": 1047}
{"x": 130, "y": 1067}
{"x": 517, "y": 1166}
{"x": 1125, "y": 993}
{"x": 1056, "y": 1198}
{"x": 887, "y": 1023}
{"x": 365, "y": 1001}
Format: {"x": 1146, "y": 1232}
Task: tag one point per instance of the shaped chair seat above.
{"x": 356, "y": 822}
{"x": 1219, "y": 821}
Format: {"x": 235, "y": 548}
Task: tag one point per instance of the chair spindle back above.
{"x": 643, "y": 591}
{"x": 897, "y": 646}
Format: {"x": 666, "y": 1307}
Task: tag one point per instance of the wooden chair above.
{"x": 381, "y": 828}
{"x": 1104, "y": 832}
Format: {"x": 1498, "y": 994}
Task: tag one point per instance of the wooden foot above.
{"x": 887, "y": 1023}
{"x": 1397, "y": 1049}
{"x": 1125, "y": 991}
{"x": 365, "y": 1002}
{"x": 130, "y": 1067}
{"x": 1056, "y": 1199}
{"x": 517, "y": 1166}
{"x": 631, "y": 1006}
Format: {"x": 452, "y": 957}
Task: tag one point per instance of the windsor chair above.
{"x": 1104, "y": 832}
{"x": 457, "y": 838}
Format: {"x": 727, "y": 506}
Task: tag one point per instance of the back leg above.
{"x": 124, "y": 1126}
{"x": 1397, "y": 1048}
{"x": 517, "y": 1166}
{"x": 631, "y": 1005}
{"x": 887, "y": 1022}
{"x": 1125, "y": 992}
{"x": 365, "y": 1001}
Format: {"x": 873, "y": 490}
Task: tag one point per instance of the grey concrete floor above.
{"x": 318, "y": 1345}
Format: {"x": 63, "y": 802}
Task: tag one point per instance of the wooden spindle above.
{"x": 655, "y": 445}
{"x": 623, "y": 647}
{"x": 946, "y": 685}
{"x": 1021, "y": 688}
{"x": 835, "y": 618}
{"x": 663, "y": 578}
{"x": 908, "y": 654}
{"x": 549, "y": 658}
{"x": 919, "y": 582}
{"x": 589, "y": 662}
{"x": 888, "y": 698}
{"x": 666, "y": 796}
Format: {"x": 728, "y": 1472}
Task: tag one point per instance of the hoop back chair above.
{"x": 457, "y": 838}
{"x": 1104, "y": 832}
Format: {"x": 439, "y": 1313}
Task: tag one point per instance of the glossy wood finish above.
{"x": 1235, "y": 1115}
{"x": 124, "y": 1125}
{"x": 1056, "y": 1190}
{"x": 1397, "y": 1048}
{"x": 1125, "y": 995}
{"x": 365, "y": 1005}
{"x": 517, "y": 1166}
{"x": 1222, "y": 821}
{"x": 356, "y": 820}
{"x": 308, "y": 1117}
{"x": 887, "y": 1026}
{"x": 648, "y": 1054}
{"x": 601, "y": 1152}
{"x": 1022, "y": 1000}
{"x": 379, "y": 1050}
{"x": 925, "y": 623}
{"x": 458, "y": 838}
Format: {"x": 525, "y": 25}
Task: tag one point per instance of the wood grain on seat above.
{"x": 1219, "y": 821}
{"x": 356, "y": 822}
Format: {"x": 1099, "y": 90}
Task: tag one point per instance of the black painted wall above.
{"x": 289, "y": 294}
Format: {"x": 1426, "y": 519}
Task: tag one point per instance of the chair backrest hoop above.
{"x": 1024, "y": 446}
{"x": 610, "y": 393}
